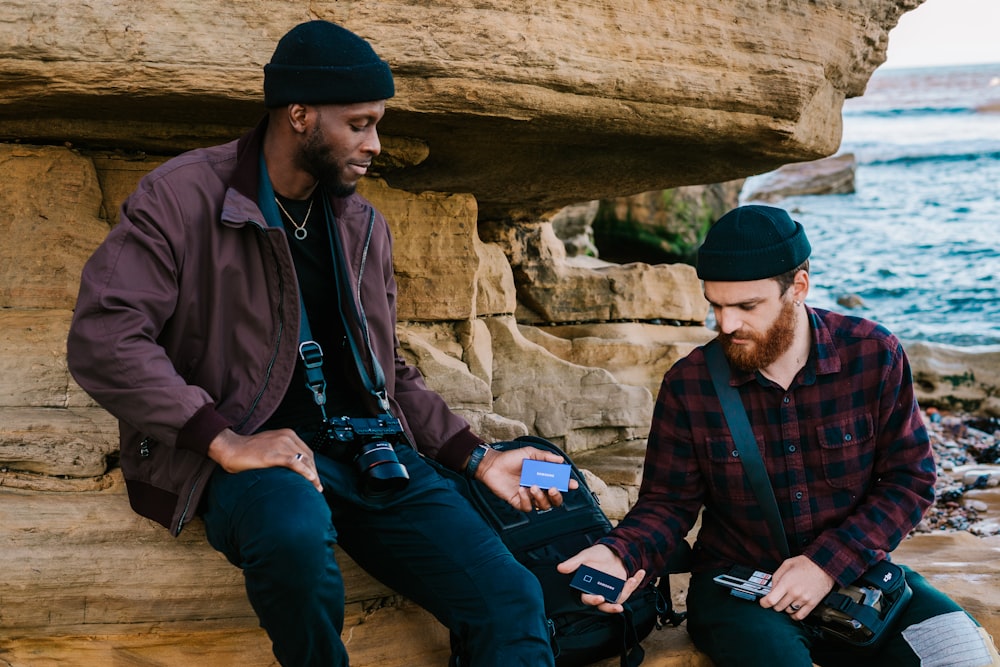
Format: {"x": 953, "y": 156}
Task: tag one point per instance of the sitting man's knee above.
{"x": 952, "y": 639}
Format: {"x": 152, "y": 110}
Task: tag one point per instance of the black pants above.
{"x": 425, "y": 542}
{"x": 739, "y": 633}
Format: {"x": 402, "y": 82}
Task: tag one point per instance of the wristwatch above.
{"x": 475, "y": 459}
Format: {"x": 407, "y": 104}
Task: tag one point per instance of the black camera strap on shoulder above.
{"x": 859, "y": 614}
{"x": 374, "y": 383}
{"x": 746, "y": 443}
{"x": 309, "y": 350}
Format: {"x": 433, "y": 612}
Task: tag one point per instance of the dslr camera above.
{"x": 368, "y": 441}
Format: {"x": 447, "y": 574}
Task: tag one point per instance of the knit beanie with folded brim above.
{"x": 751, "y": 243}
{"x": 319, "y": 62}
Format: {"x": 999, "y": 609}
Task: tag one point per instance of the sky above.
{"x": 946, "y": 32}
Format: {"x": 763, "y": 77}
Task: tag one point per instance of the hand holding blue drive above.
{"x": 545, "y": 475}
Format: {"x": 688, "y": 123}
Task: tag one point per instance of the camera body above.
{"x": 369, "y": 442}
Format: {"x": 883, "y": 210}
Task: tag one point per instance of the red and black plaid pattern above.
{"x": 845, "y": 448}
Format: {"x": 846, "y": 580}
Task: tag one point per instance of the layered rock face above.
{"x": 502, "y": 115}
{"x": 527, "y": 108}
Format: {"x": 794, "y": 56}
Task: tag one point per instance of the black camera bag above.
{"x": 581, "y": 634}
{"x": 862, "y": 613}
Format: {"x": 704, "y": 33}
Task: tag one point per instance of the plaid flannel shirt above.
{"x": 845, "y": 449}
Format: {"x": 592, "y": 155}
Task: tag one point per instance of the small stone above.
{"x": 976, "y": 505}
{"x": 975, "y": 478}
{"x": 853, "y": 301}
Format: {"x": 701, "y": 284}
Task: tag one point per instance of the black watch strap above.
{"x": 475, "y": 459}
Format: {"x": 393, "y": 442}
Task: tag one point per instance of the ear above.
{"x": 298, "y": 117}
{"x": 800, "y": 286}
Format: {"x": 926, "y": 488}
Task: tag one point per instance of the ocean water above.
{"x": 919, "y": 240}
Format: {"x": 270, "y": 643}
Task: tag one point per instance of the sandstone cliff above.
{"x": 503, "y": 115}
{"x": 526, "y": 107}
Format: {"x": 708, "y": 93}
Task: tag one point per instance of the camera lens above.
{"x": 381, "y": 471}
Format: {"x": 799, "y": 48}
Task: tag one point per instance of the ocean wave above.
{"x": 908, "y": 159}
{"x": 877, "y": 153}
{"x": 903, "y": 112}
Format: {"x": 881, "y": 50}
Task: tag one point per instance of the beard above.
{"x": 315, "y": 159}
{"x": 763, "y": 348}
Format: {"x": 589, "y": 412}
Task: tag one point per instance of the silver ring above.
{"x": 298, "y": 457}
{"x": 795, "y": 607}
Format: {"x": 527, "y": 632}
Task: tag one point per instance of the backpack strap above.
{"x": 746, "y": 443}
{"x": 678, "y": 561}
{"x": 631, "y": 657}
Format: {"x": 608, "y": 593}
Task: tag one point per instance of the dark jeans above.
{"x": 740, "y": 633}
{"x": 425, "y": 542}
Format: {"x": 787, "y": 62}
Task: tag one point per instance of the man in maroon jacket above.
{"x": 239, "y": 322}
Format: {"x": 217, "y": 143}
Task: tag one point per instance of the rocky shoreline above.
{"x": 967, "y": 494}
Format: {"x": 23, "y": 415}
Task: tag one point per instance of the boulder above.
{"x": 636, "y": 353}
{"x": 577, "y": 407}
{"x": 956, "y": 378}
{"x": 573, "y": 225}
{"x": 553, "y": 290}
{"x": 50, "y": 231}
{"x": 826, "y": 176}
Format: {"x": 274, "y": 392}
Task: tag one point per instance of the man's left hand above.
{"x": 501, "y": 473}
{"x": 797, "y": 587}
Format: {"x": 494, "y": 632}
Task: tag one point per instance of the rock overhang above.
{"x": 526, "y": 107}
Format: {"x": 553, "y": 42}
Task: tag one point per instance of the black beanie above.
{"x": 751, "y": 243}
{"x": 319, "y": 62}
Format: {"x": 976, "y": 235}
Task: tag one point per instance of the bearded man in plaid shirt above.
{"x": 831, "y": 404}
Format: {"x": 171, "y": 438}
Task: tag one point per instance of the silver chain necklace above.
{"x": 300, "y": 232}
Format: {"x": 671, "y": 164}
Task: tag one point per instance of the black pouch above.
{"x": 862, "y": 614}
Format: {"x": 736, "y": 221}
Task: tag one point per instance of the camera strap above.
{"x": 374, "y": 383}
{"x": 746, "y": 443}
{"x": 310, "y": 352}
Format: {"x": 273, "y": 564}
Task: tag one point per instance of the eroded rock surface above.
{"x": 528, "y": 107}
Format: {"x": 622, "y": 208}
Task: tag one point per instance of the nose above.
{"x": 372, "y": 144}
{"x": 728, "y": 320}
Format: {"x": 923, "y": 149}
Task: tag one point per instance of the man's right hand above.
{"x": 604, "y": 559}
{"x": 500, "y": 471}
{"x": 267, "y": 449}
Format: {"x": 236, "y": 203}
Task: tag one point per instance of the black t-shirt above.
{"x": 314, "y": 266}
